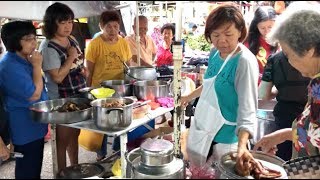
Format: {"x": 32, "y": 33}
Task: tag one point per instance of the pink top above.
{"x": 164, "y": 56}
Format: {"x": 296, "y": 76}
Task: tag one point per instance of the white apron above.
{"x": 208, "y": 120}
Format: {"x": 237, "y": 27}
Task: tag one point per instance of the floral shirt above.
{"x": 306, "y": 130}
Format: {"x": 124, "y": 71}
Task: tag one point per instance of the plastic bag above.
{"x": 206, "y": 171}
{"x": 116, "y": 168}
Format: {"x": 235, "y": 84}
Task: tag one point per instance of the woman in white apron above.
{"x": 226, "y": 111}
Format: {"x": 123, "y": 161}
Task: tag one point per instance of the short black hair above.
{"x": 169, "y": 26}
{"x": 12, "y": 33}
{"x": 108, "y": 16}
{"x": 57, "y": 12}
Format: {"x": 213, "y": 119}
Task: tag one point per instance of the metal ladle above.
{"x": 127, "y": 69}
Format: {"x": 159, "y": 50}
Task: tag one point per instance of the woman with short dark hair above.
{"x": 226, "y": 111}
{"x": 64, "y": 72}
{"x": 105, "y": 55}
{"x": 22, "y": 85}
{"x": 164, "y": 55}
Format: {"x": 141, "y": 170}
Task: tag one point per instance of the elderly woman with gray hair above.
{"x": 297, "y": 31}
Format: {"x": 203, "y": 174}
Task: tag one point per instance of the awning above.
{"x": 35, "y": 10}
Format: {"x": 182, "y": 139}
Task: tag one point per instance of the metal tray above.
{"x": 80, "y": 171}
{"x": 41, "y": 112}
{"x": 227, "y": 165}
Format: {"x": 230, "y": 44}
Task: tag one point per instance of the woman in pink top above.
{"x": 164, "y": 54}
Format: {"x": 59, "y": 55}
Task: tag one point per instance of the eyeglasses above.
{"x": 29, "y": 39}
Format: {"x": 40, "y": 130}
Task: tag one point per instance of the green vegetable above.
{"x": 197, "y": 43}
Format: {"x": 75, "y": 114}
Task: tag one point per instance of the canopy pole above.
{"x": 177, "y": 63}
{"x": 137, "y": 33}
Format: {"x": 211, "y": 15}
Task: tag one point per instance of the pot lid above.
{"x": 80, "y": 171}
{"x": 157, "y": 146}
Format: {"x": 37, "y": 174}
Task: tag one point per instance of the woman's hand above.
{"x": 35, "y": 59}
{"x": 85, "y": 72}
{"x": 4, "y": 151}
{"x": 269, "y": 142}
{"x": 72, "y": 52}
{"x": 185, "y": 100}
{"x": 245, "y": 161}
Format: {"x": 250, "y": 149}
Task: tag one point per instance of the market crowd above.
{"x": 276, "y": 57}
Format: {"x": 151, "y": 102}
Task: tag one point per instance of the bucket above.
{"x": 89, "y": 140}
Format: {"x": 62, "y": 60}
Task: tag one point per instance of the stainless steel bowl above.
{"x": 141, "y": 73}
{"x": 42, "y": 111}
{"x": 122, "y": 87}
{"x": 112, "y": 118}
{"x": 150, "y": 90}
{"x": 85, "y": 93}
{"x": 185, "y": 68}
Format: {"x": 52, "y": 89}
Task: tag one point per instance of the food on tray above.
{"x": 253, "y": 170}
{"x": 70, "y": 106}
{"x": 114, "y": 104}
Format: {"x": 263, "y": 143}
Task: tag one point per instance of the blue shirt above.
{"x": 16, "y": 82}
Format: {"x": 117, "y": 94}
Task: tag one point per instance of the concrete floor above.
{"x": 7, "y": 168}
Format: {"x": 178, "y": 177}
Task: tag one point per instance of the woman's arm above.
{"x": 36, "y": 60}
{"x": 268, "y": 142}
{"x": 267, "y": 91}
{"x": 90, "y": 67}
{"x": 186, "y": 99}
{"x": 60, "y": 73}
{"x": 4, "y": 151}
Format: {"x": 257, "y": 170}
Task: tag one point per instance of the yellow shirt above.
{"x": 107, "y": 59}
{"x": 146, "y": 51}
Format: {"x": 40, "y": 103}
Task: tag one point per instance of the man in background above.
{"x": 148, "y": 48}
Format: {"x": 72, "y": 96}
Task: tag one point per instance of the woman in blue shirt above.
{"x": 226, "y": 111}
{"x": 22, "y": 85}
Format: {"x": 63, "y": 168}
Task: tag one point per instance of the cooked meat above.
{"x": 114, "y": 104}
{"x": 70, "y": 106}
{"x": 252, "y": 169}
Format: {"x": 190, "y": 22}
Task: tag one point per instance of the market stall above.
{"x": 94, "y": 8}
{"x": 89, "y": 125}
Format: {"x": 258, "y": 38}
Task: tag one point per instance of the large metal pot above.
{"x": 122, "y": 87}
{"x": 112, "y": 118}
{"x": 150, "y": 90}
{"x": 42, "y": 111}
{"x": 154, "y": 160}
{"x": 156, "y": 152}
{"x": 141, "y": 73}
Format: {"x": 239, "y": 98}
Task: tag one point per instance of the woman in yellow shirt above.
{"x": 105, "y": 52}
{"x": 104, "y": 56}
